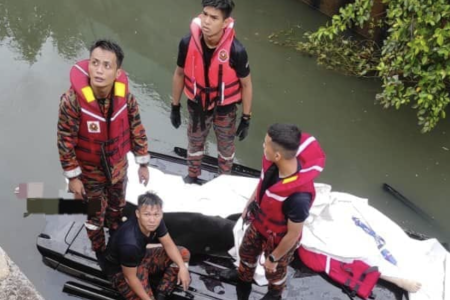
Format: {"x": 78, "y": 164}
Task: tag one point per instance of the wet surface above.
{"x": 365, "y": 145}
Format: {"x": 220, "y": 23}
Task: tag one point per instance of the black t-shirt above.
{"x": 296, "y": 206}
{"x": 128, "y": 245}
{"x": 238, "y": 56}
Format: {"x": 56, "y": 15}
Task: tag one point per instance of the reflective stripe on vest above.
{"x": 271, "y": 219}
{"x": 225, "y": 87}
{"x": 93, "y": 129}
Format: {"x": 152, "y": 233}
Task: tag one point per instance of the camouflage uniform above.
{"x": 253, "y": 244}
{"x": 97, "y": 187}
{"x": 156, "y": 262}
{"x": 224, "y": 125}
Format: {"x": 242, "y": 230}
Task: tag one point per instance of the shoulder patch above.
{"x": 223, "y": 56}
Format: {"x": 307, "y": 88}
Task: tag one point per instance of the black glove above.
{"x": 242, "y": 130}
{"x": 175, "y": 116}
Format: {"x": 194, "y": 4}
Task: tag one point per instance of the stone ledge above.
{"x": 14, "y": 285}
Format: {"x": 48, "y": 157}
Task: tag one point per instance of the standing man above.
{"x": 130, "y": 262}
{"x": 213, "y": 70}
{"x": 279, "y": 206}
{"x": 98, "y": 124}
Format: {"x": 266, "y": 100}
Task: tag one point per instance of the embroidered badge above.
{"x": 223, "y": 56}
{"x": 93, "y": 126}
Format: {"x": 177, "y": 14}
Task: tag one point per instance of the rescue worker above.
{"x": 213, "y": 70}
{"x": 99, "y": 122}
{"x": 130, "y": 261}
{"x": 278, "y": 207}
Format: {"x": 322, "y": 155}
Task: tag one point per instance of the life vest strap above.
{"x": 232, "y": 94}
{"x": 87, "y": 150}
{"x": 368, "y": 271}
{"x": 277, "y": 222}
{"x": 267, "y": 230}
{"x": 347, "y": 287}
{"x": 211, "y": 89}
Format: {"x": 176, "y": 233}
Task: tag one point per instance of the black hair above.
{"x": 109, "y": 46}
{"x": 287, "y": 137}
{"x": 149, "y": 199}
{"x": 225, "y": 6}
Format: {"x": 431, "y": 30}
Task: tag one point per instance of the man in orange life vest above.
{"x": 99, "y": 122}
{"x": 279, "y": 206}
{"x": 213, "y": 70}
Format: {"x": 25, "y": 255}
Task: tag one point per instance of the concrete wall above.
{"x": 14, "y": 285}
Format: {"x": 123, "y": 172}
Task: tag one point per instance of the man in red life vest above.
{"x": 99, "y": 122}
{"x": 213, "y": 70}
{"x": 279, "y": 206}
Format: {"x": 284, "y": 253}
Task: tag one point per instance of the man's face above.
{"x": 269, "y": 150}
{"x": 149, "y": 216}
{"x": 103, "y": 69}
{"x": 212, "y": 21}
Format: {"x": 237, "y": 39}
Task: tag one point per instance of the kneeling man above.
{"x": 130, "y": 260}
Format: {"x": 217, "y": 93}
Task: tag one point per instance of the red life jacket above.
{"x": 224, "y": 85}
{"x": 357, "y": 278}
{"x": 93, "y": 131}
{"x": 271, "y": 221}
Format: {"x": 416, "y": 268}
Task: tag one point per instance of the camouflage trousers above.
{"x": 253, "y": 244}
{"x": 112, "y": 202}
{"x": 224, "y": 125}
{"x": 156, "y": 262}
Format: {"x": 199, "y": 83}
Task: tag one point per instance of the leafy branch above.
{"x": 413, "y": 61}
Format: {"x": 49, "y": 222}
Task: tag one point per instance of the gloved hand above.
{"x": 175, "y": 116}
{"x": 242, "y": 130}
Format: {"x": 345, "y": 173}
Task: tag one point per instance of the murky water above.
{"x": 365, "y": 145}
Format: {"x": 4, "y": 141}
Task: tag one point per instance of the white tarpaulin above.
{"x": 340, "y": 225}
{"x": 346, "y": 227}
{"x": 223, "y": 196}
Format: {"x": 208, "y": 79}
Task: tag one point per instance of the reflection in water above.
{"x": 26, "y": 25}
{"x": 365, "y": 145}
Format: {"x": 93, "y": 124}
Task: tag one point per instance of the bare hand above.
{"x": 77, "y": 187}
{"x": 184, "y": 278}
{"x": 143, "y": 174}
{"x": 269, "y": 266}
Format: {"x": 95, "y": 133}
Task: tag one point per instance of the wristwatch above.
{"x": 272, "y": 258}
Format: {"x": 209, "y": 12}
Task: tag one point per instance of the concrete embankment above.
{"x": 14, "y": 285}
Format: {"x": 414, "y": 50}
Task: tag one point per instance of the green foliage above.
{"x": 413, "y": 62}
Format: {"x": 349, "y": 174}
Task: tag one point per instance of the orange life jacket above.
{"x": 94, "y": 132}
{"x": 270, "y": 221}
{"x": 224, "y": 85}
{"x": 357, "y": 277}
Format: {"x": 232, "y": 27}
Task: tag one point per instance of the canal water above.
{"x": 366, "y": 146}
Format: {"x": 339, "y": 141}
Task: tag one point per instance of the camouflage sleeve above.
{"x": 139, "y": 143}
{"x": 68, "y": 125}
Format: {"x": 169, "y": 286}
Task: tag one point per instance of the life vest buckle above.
{"x": 209, "y": 90}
